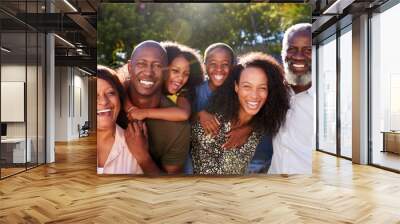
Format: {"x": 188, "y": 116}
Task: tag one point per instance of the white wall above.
{"x": 71, "y": 102}
{"x": 61, "y": 103}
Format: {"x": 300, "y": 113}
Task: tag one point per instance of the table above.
{"x": 391, "y": 141}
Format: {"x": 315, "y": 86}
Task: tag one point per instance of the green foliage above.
{"x": 244, "y": 26}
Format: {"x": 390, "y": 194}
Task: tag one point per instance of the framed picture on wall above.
{"x": 203, "y": 89}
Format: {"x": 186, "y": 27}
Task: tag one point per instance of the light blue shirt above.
{"x": 203, "y": 94}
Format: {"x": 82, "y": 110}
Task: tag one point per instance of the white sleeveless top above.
{"x": 120, "y": 160}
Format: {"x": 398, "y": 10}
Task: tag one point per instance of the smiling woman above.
{"x": 253, "y": 94}
{"x": 113, "y": 155}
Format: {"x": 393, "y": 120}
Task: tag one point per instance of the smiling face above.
{"x": 252, "y": 91}
{"x": 218, "y": 65}
{"x": 298, "y": 58}
{"x": 108, "y": 105}
{"x": 178, "y": 75}
{"x": 146, "y": 70}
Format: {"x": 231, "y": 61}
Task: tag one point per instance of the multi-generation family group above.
{"x": 170, "y": 111}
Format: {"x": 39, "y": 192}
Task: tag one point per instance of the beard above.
{"x": 296, "y": 80}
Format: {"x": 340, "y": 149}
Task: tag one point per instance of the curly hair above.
{"x": 272, "y": 114}
{"x": 196, "y": 75}
{"x": 110, "y": 76}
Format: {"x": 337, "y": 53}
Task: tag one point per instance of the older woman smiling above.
{"x": 113, "y": 154}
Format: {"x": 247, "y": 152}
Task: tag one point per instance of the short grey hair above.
{"x": 297, "y": 28}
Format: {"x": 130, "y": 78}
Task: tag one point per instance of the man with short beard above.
{"x": 293, "y": 144}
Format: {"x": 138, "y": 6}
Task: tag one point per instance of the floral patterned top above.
{"x": 210, "y": 158}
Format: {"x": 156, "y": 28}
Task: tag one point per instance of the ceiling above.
{"x": 326, "y": 13}
{"x": 72, "y": 20}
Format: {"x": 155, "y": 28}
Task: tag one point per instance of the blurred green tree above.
{"x": 244, "y": 26}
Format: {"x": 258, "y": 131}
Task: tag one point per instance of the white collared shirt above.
{"x": 293, "y": 145}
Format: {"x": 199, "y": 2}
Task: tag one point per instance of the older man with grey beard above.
{"x": 292, "y": 146}
{"x": 294, "y": 143}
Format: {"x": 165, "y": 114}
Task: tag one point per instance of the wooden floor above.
{"x": 10, "y": 171}
{"x": 69, "y": 191}
{"x": 388, "y": 159}
{"x": 5, "y": 172}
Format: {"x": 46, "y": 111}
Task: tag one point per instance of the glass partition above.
{"x": 385, "y": 89}
{"x": 22, "y": 88}
{"x": 346, "y": 92}
{"x": 327, "y": 95}
{"x": 13, "y": 92}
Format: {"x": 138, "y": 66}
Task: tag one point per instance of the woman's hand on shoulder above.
{"x": 209, "y": 123}
{"x": 138, "y": 143}
{"x": 137, "y": 139}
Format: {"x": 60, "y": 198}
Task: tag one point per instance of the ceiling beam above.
{"x": 78, "y": 61}
{"x": 89, "y": 30}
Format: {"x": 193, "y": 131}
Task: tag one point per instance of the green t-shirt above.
{"x": 169, "y": 141}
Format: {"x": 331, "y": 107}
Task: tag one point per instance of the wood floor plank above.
{"x": 70, "y": 191}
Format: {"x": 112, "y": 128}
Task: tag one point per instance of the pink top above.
{"x": 120, "y": 160}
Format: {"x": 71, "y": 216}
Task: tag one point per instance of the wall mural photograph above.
{"x": 204, "y": 89}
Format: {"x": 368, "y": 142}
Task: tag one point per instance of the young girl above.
{"x": 185, "y": 72}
